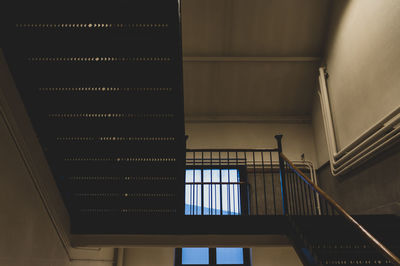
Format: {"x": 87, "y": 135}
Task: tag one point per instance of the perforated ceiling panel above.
{"x": 102, "y": 84}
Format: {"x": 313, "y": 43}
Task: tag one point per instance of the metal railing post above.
{"x": 282, "y": 175}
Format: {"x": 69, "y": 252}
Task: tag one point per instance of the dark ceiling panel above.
{"x": 102, "y": 84}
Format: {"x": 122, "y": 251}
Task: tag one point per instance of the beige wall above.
{"x": 149, "y": 256}
{"x": 274, "y": 256}
{"x": 28, "y": 237}
{"x": 297, "y": 138}
{"x": 27, "y": 234}
{"x": 363, "y": 62}
{"x": 321, "y": 148}
{"x": 261, "y": 256}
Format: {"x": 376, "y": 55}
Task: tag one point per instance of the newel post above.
{"x": 282, "y": 174}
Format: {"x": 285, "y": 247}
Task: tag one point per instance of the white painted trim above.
{"x": 249, "y": 59}
{"x": 382, "y": 135}
{"x": 120, "y": 257}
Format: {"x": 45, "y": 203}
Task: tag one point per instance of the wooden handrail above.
{"x": 382, "y": 248}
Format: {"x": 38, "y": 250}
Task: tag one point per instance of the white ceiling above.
{"x": 228, "y": 45}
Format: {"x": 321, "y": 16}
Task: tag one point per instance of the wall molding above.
{"x": 379, "y": 137}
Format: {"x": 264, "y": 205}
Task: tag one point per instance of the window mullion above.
{"x": 213, "y": 256}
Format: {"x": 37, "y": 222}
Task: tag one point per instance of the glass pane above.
{"x": 230, "y": 256}
{"x": 193, "y": 192}
{"x": 210, "y": 198}
{"x": 195, "y": 256}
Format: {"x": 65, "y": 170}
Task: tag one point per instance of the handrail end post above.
{"x": 279, "y": 141}
{"x": 282, "y": 174}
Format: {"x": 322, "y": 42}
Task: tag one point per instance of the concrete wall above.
{"x": 374, "y": 189}
{"x": 363, "y": 62}
{"x": 297, "y": 138}
{"x": 261, "y": 256}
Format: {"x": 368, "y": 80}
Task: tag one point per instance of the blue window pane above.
{"x": 230, "y": 256}
{"x": 209, "y": 198}
{"x": 195, "y": 256}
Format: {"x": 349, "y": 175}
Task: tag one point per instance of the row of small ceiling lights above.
{"x": 124, "y": 195}
{"x": 105, "y": 89}
{"x": 91, "y": 115}
{"x": 136, "y": 178}
{"x": 127, "y": 210}
{"x": 99, "y": 59}
{"x": 124, "y": 159}
{"x": 356, "y": 261}
{"x": 92, "y": 25}
{"x": 115, "y": 138}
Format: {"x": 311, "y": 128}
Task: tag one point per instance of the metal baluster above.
{"x": 326, "y": 207}
{"x": 263, "y": 174}
{"x": 303, "y": 190}
{"x": 202, "y": 185}
{"x": 310, "y": 199}
{"x": 294, "y": 196}
{"x": 301, "y": 194}
{"x": 294, "y": 176}
{"x": 315, "y": 197}
{"x": 233, "y": 189}
{"x": 301, "y": 203}
{"x": 220, "y": 181}
{"x": 330, "y": 205}
{"x": 229, "y": 186}
{"x": 196, "y": 199}
{"x": 282, "y": 174}
{"x": 273, "y": 181}
{"x": 239, "y": 188}
{"x": 212, "y": 189}
{"x": 289, "y": 191}
{"x": 209, "y": 199}
{"x": 192, "y": 194}
{"x": 255, "y": 182}
{"x": 249, "y": 190}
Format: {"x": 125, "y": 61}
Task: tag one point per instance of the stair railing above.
{"x": 303, "y": 196}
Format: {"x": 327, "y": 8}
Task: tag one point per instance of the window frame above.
{"x": 212, "y": 257}
{"x": 244, "y": 191}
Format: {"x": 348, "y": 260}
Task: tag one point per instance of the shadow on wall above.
{"x": 338, "y": 10}
{"x": 371, "y": 189}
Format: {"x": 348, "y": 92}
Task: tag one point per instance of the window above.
{"x": 212, "y": 256}
{"x": 210, "y": 191}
